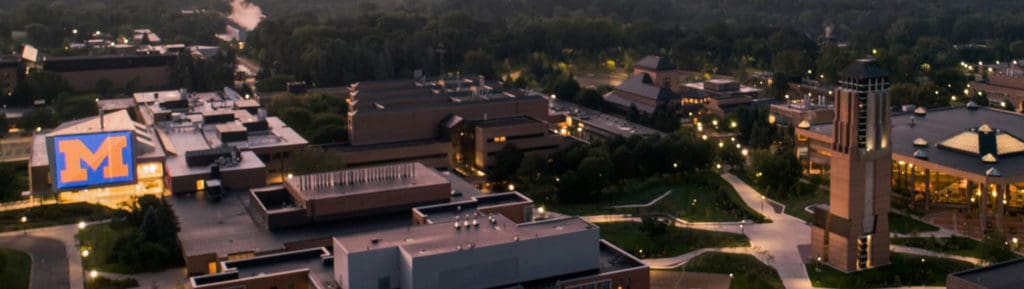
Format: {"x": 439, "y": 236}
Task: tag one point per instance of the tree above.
{"x": 75, "y": 107}
{"x": 39, "y": 117}
{"x": 506, "y": 164}
{"x": 43, "y": 85}
{"x": 314, "y": 160}
{"x": 4, "y": 126}
{"x": 274, "y": 83}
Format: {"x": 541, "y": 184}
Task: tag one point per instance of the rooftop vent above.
{"x": 993, "y": 172}
{"x": 920, "y": 142}
{"x": 921, "y": 154}
{"x": 989, "y": 158}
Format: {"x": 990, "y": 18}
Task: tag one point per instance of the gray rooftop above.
{"x": 643, "y": 85}
{"x": 939, "y": 125}
{"x": 1005, "y": 275}
{"x": 654, "y": 62}
{"x": 441, "y": 238}
{"x": 225, "y": 227}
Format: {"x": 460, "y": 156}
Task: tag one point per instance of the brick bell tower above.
{"x": 853, "y": 233}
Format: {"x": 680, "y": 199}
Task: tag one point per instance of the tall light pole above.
{"x": 762, "y": 205}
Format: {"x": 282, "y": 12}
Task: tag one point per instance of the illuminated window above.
{"x": 499, "y": 139}
{"x": 200, "y": 185}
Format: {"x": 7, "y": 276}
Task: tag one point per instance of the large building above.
{"x": 308, "y": 210}
{"x": 853, "y": 233}
{"x": 961, "y": 166}
{"x": 720, "y": 96}
{"x": 458, "y": 123}
{"x": 653, "y": 86}
{"x": 1004, "y": 86}
{"x": 83, "y": 73}
{"x": 170, "y": 141}
{"x": 1005, "y": 275}
{"x": 398, "y": 226}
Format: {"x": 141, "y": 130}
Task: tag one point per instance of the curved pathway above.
{"x": 780, "y": 238}
{"x": 49, "y": 259}
{"x": 60, "y": 255}
{"x": 673, "y": 262}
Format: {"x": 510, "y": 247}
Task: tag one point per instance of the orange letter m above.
{"x": 75, "y": 153}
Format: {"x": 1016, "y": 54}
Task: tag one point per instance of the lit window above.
{"x": 499, "y": 139}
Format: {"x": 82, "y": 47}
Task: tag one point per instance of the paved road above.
{"x": 49, "y": 259}
{"x": 780, "y": 238}
{"x": 68, "y": 272}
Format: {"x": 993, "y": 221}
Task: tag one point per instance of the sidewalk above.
{"x": 780, "y": 238}
{"x": 673, "y": 262}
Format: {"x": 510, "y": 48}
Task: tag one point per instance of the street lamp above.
{"x": 81, "y": 225}
{"x": 762, "y": 205}
{"x": 742, "y": 222}
{"x": 85, "y": 253}
{"x": 93, "y": 274}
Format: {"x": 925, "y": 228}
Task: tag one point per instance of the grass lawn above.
{"x": 712, "y": 200}
{"x": 747, "y": 270}
{"x": 15, "y": 268}
{"x": 101, "y": 240}
{"x": 794, "y": 204}
{"x": 51, "y": 215}
{"x": 902, "y": 224}
{"x": 905, "y": 270}
{"x": 960, "y": 246}
{"x": 673, "y": 242}
{"x": 604, "y": 206}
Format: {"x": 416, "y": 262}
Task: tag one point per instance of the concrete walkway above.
{"x": 66, "y": 236}
{"x": 730, "y": 227}
{"x": 780, "y": 238}
{"x": 927, "y": 253}
{"x": 49, "y": 268}
{"x": 651, "y": 203}
{"x": 673, "y": 262}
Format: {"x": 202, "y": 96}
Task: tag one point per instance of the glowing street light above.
{"x": 81, "y": 225}
{"x": 85, "y": 253}
{"x": 93, "y": 274}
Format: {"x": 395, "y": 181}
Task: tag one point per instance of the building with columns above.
{"x": 961, "y": 165}
{"x": 852, "y": 234}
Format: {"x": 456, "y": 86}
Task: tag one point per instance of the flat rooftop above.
{"x": 615, "y": 259}
{"x": 516, "y": 120}
{"x": 441, "y": 238}
{"x": 1005, "y": 275}
{"x": 365, "y": 180}
{"x": 603, "y": 121}
{"x": 448, "y": 212}
{"x": 225, "y": 227}
{"x": 941, "y": 124}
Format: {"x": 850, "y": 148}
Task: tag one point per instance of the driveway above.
{"x": 49, "y": 259}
